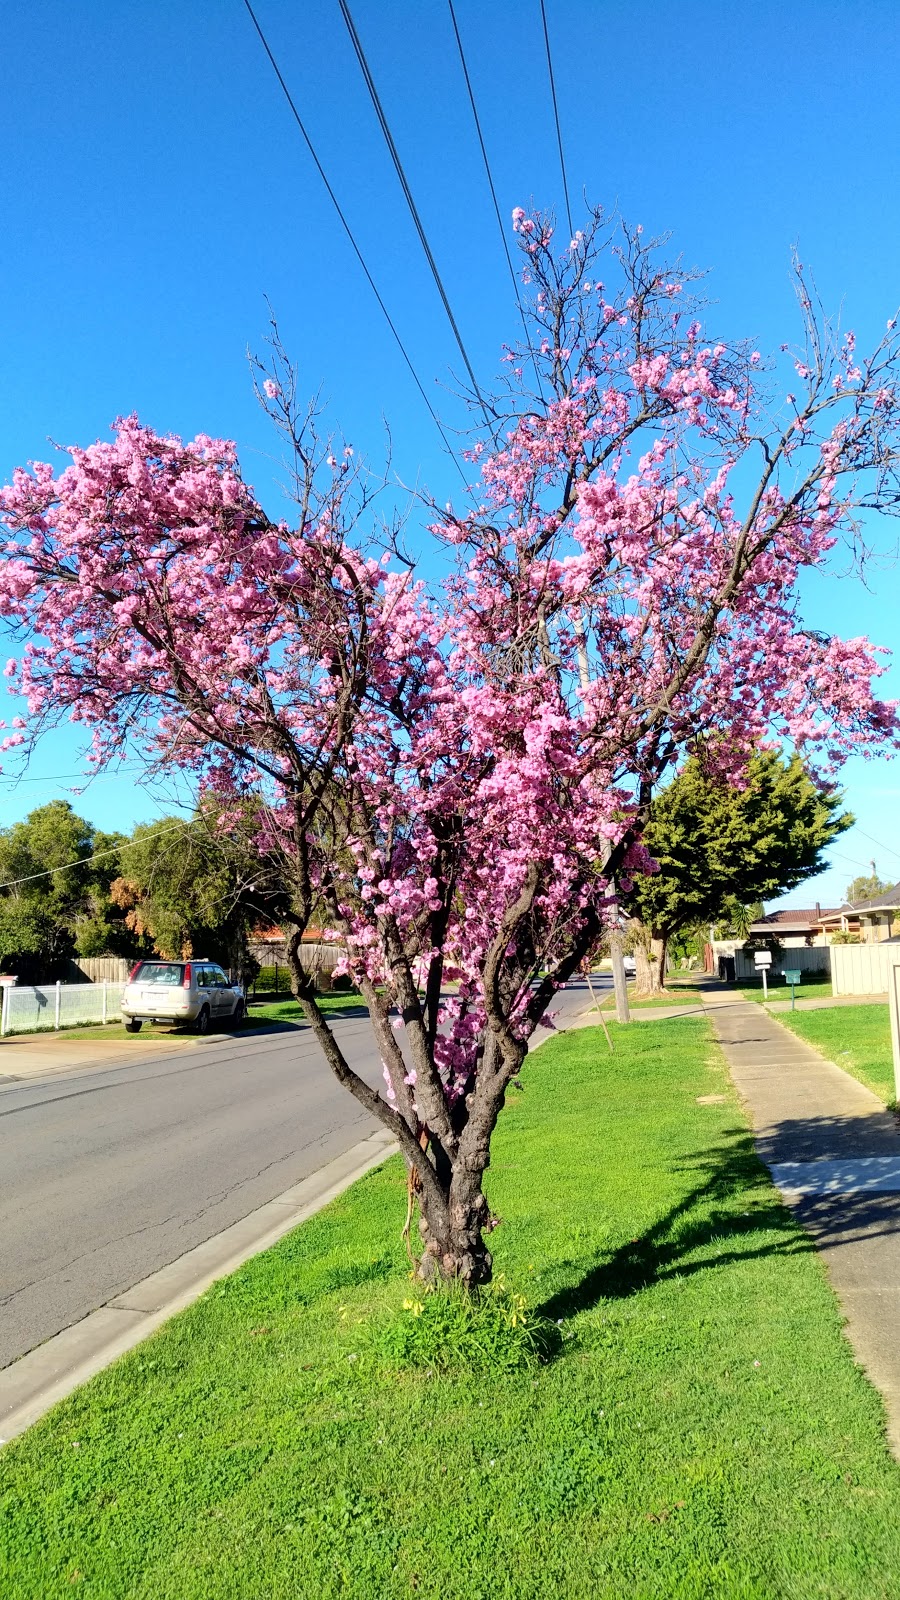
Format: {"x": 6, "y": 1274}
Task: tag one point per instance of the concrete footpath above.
{"x": 34, "y": 1057}
{"x": 834, "y": 1153}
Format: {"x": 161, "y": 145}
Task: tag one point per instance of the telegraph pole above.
{"x": 620, "y": 983}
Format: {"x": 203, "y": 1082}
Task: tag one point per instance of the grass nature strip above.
{"x": 857, "y": 1038}
{"x": 813, "y": 986}
{"x": 703, "y": 1432}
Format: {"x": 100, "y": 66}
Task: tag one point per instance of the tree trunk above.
{"x": 457, "y": 1251}
{"x": 650, "y": 960}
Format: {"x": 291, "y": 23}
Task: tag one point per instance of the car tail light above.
{"x": 186, "y": 980}
{"x": 136, "y": 968}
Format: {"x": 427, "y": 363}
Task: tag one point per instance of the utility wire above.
{"x": 65, "y": 777}
{"x": 562, "y": 160}
{"x": 852, "y": 859}
{"x": 350, "y": 235}
{"x": 398, "y": 166}
{"x": 491, "y": 186}
{"x": 69, "y": 866}
{"x": 891, "y": 851}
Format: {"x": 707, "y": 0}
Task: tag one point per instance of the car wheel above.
{"x": 133, "y": 1025}
{"x": 237, "y": 1015}
{"x": 202, "y": 1023}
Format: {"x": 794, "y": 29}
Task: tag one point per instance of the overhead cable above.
{"x": 491, "y": 186}
{"x": 852, "y": 859}
{"x": 889, "y": 848}
{"x": 413, "y": 209}
{"x": 562, "y": 159}
{"x": 69, "y": 866}
{"x": 352, "y": 238}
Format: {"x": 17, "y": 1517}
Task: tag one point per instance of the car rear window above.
{"x": 171, "y": 972}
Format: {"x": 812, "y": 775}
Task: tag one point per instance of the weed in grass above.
{"x": 446, "y": 1327}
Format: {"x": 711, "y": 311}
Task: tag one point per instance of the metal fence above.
{"x": 26, "y": 1009}
{"x": 806, "y": 958}
{"x": 863, "y": 968}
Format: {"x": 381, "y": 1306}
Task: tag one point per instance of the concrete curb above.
{"x": 47, "y": 1374}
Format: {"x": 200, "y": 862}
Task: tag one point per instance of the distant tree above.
{"x": 55, "y": 873}
{"x": 192, "y": 887}
{"x": 864, "y": 888}
{"x": 26, "y": 937}
{"x": 737, "y": 917}
{"x": 721, "y": 849}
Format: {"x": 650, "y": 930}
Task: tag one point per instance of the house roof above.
{"x": 795, "y": 917}
{"x": 846, "y": 910}
{"x": 889, "y": 901}
{"x": 276, "y": 936}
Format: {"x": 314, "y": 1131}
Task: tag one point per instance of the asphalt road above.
{"x": 109, "y": 1173}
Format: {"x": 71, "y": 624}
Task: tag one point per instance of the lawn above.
{"x": 682, "y": 995}
{"x": 704, "y": 1430}
{"x": 858, "y": 1038}
{"x": 672, "y": 997}
{"x": 289, "y": 1012}
{"x": 814, "y": 986}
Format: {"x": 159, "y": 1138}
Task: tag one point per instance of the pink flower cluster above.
{"x": 429, "y": 764}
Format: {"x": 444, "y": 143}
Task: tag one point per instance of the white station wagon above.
{"x": 182, "y": 991}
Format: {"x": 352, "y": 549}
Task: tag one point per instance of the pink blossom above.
{"x": 451, "y": 777}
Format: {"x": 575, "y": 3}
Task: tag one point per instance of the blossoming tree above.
{"x": 454, "y": 779}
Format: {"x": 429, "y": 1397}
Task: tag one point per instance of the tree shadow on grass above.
{"x": 711, "y": 1212}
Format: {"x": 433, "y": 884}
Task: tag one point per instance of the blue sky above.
{"x": 156, "y": 191}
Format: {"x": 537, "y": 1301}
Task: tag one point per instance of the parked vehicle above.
{"x": 629, "y": 966}
{"x": 182, "y": 991}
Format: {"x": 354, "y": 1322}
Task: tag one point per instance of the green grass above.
{"x": 682, "y": 995}
{"x": 814, "y": 986}
{"x": 857, "y": 1038}
{"x": 288, "y": 1011}
{"x": 672, "y": 997}
{"x": 704, "y": 1431}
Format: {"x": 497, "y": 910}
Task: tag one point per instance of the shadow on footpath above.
{"x": 707, "y": 1213}
{"x": 664, "y": 1249}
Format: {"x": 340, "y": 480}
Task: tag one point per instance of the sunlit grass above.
{"x": 702, "y": 1431}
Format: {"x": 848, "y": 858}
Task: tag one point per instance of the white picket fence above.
{"x": 863, "y": 968}
{"x": 27, "y": 1009}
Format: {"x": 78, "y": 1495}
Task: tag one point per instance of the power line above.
{"x": 852, "y": 859}
{"x": 350, "y": 235}
{"x": 65, "y": 777}
{"x": 491, "y": 186}
{"x": 97, "y": 855}
{"x": 398, "y": 167}
{"x": 562, "y": 160}
{"x": 889, "y": 848}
